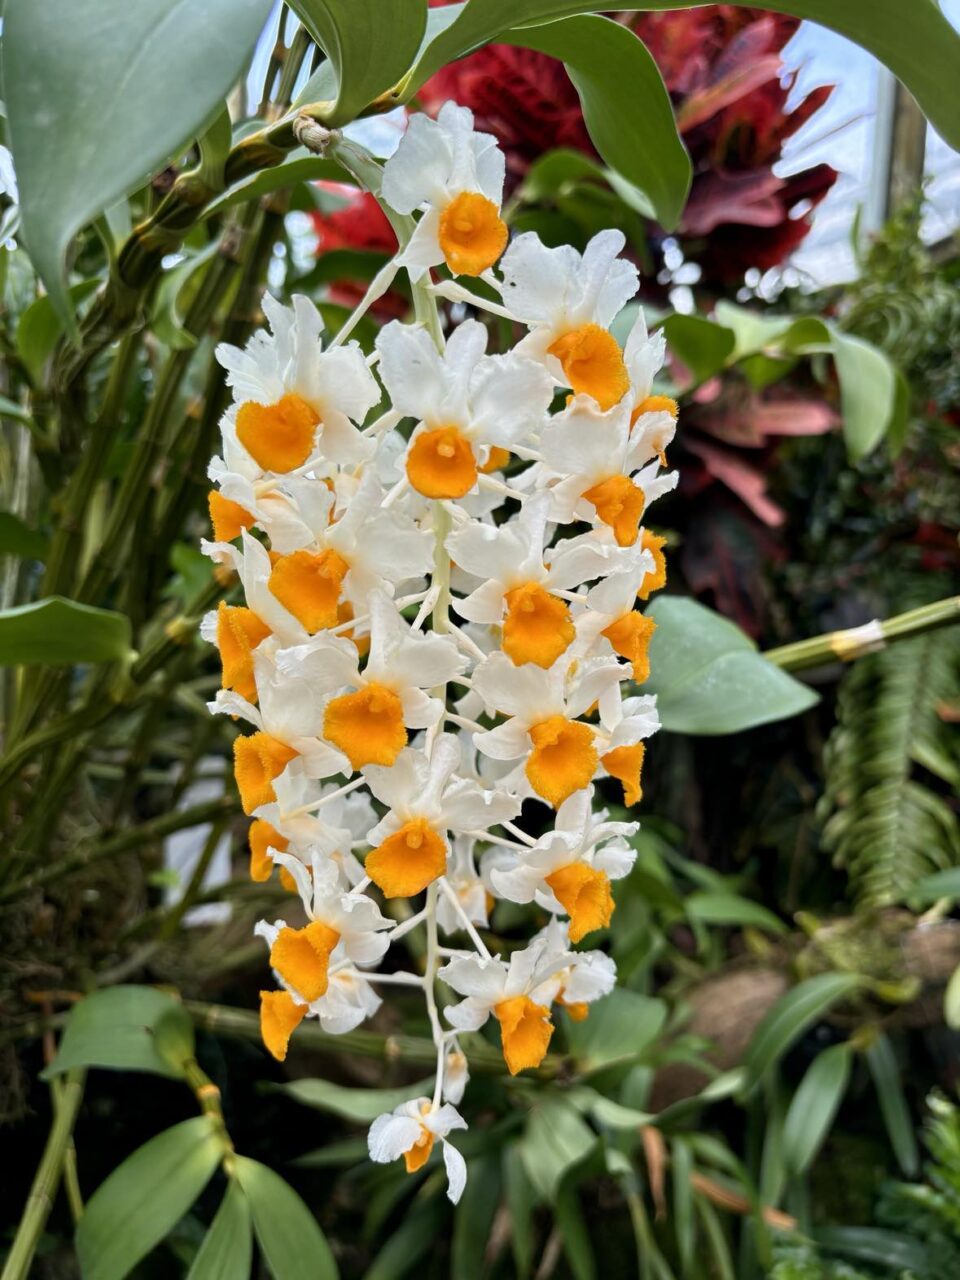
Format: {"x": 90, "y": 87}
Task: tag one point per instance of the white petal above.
{"x": 456, "y": 1172}
{"x": 390, "y": 1136}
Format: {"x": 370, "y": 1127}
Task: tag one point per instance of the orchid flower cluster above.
{"x": 439, "y": 619}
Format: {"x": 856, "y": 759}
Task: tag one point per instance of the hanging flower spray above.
{"x": 438, "y": 623}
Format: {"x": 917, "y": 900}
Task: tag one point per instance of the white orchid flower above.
{"x": 466, "y": 403}
{"x": 427, "y": 800}
{"x": 588, "y": 976}
{"x": 295, "y": 823}
{"x": 569, "y": 300}
{"x": 465, "y": 884}
{"x": 455, "y": 175}
{"x": 504, "y": 990}
{"x": 411, "y": 1131}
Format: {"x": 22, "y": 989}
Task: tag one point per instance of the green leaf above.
{"x": 520, "y": 1196}
{"x": 619, "y": 1028}
{"x": 888, "y": 1249}
{"x": 951, "y": 1001}
{"x": 619, "y": 82}
{"x": 227, "y": 1249}
{"x": 17, "y": 539}
{"x": 166, "y": 316}
{"x": 129, "y": 1029}
{"x": 554, "y": 1140}
{"x": 410, "y": 1242}
{"x": 941, "y": 884}
{"x": 10, "y": 409}
{"x": 41, "y": 325}
{"x": 293, "y": 1245}
{"x": 360, "y": 1105}
{"x": 814, "y": 1106}
{"x": 576, "y": 1238}
{"x": 791, "y": 1016}
{"x": 730, "y": 908}
{"x": 473, "y": 1217}
{"x": 58, "y": 633}
{"x": 99, "y": 102}
{"x": 370, "y": 43}
{"x": 868, "y": 392}
{"x": 893, "y": 1105}
{"x": 704, "y": 347}
{"x": 146, "y": 1197}
{"x": 681, "y": 1171}
{"x": 709, "y": 677}
{"x": 924, "y": 52}
{"x": 300, "y": 166}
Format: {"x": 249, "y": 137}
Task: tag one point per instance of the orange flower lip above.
{"x": 626, "y": 765}
{"x": 407, "y": 861}
{"x": 239, "y": 631}
{"x": 302, "y": 956}
{"x": 525, "y": 1031}
{"x": 472, "y": 235}
{"x": 228, "y": 518}
{"x": 308, "y": 585}
{"x": 367, "y": 725}
{"x": 593, "y": 364}
{"x": 279, "y": 437}
{"x": 280, "y": 1015}
{"x": 441, "y": 463}
{"x": 563, "y": 759}
{"x": 262, "y": 836}
{"x": 630, "y": 636}
{"x": 258, "y": 758}
{"x": 584, "y": 893}
{"x": 537, "y": 627}
{"x": 619, "y": 503}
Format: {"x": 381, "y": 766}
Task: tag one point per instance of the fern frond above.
{"x": 885, "y": 820}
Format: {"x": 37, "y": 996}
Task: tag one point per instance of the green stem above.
{"x": 171, "y": 922}
{"x": 87, "y": 855}
{"x": 414, "y": 1050}
{"x": 46, "y": 1181}
{"x": 854, "y": 642}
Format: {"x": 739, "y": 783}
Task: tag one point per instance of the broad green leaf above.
{"x": 409, "y": 1244}
{"x": 129, "y": 1029}
{"x": 520, "y": 1195}
{"x": 814, "y": 1106}
{"x": 730, "y": 908}
{"x": 58, "y": 633}
{"x": 709, "y": 677}
{"x": 292, "y": 1244}
{"x": 942, "y": 884}
{"x": 100, "y": 94}
{"x": 893, "y": 1105}
{"x": 704, "y": 347}
{"x": 620, "y": 1027}
{"x": 299, "y": 167}
{"x": 473, "y": 1217}
{"x": 370, "y": 44}
{"x": 573, "y": 1230}
{"x": 924, "y": 51}
{"x": 681, "y": 1169}
{"x": 607, "y": 1112}
{"x": 17, "y": 539}
{"x": 791, "y": 1016}
{"x": 555, "y": 1139}
{"x": 227, "y": 1249}
{"x": 890, "y": 1250}
{"x": 618, "y": 83}
{"x": 868, "y": 392}
{"x": 951, "y": 1001}
{"x": 752, "y": 330}
{"x": 41, "y": 325}
{"x": 146, "y": 1197}
{"x": 349, "y": 1151}
{"x": 360, "y": 1105}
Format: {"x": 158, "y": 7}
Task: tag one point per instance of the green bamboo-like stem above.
{"x": 46, "y": 1181}
{"x": 223, "y": 807}
{"x": 854, "y": 642}
{"x": 414, "y": 1050}
{"x": 171, "y": 922}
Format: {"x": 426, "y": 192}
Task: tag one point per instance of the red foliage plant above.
{"x": 723, "y": 68}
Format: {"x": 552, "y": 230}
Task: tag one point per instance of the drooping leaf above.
{"x": 868, "y": 392}
{"x": 145, "y": 1197}
{"x": 293, "y": 1245}
{"x": 127, "y": 1028}
{"x": 704, "y": 347}
{"x": 555, "y": 1139}
{"x": 100, "y": 94}
{"x": 814, "y": 1105}
{"x": 370, "y": 44}
{"x": 890, "y": 1250}
{"x": 360, "y": 1105}
{"x": 473, "y": 1217}
{"x": 617, "y": 1028}
{"x": 18, "y": 539}
{"x": 59, "y": 632}
{"x": 709, "y": 677}
{"x": 300, "y": 166}
{"x": 618, "y": 81}
{"x": 893, "y": 1105}
{"x": 412, "y": 1240}
{"x": 923, "y": 52}
{"x": 731, "y": 908}
{"x": 227, "y": 1248}
{"x": 791, "y": 1016}
{"x": 520, "y": 1195}
{"x": 41, "y": 325}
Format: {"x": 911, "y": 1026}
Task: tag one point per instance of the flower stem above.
{"x": 854, "y": 642}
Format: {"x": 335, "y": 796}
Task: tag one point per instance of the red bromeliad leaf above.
{"x": 749, "y": 484}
